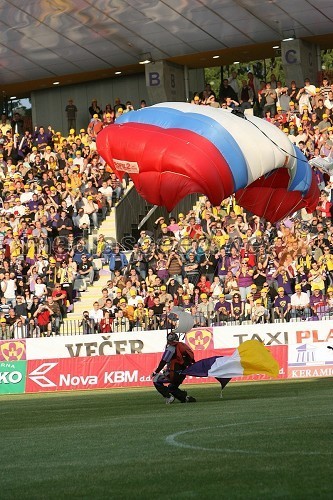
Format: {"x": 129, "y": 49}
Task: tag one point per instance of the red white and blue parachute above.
{"x": 173, "y": 149}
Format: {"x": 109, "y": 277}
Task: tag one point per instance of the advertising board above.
{"x": 103, "y": 372}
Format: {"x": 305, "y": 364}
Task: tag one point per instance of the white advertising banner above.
{"x": 221, "y": 337}
{"x": 95, "y": 345}
{"x": 310, "y": 360}
{"x": 300, "y": 332}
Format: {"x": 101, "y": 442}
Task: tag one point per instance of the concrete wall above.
{"x": 52, "y": 102}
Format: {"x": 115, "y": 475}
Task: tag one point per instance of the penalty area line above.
{"x": 172, "y": 439}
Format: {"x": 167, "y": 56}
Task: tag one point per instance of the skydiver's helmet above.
{"x": 172, "y": 337}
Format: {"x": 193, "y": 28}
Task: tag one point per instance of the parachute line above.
{"x": 273, "y": 142}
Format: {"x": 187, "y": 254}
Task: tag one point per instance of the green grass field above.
{"x": 262, "y": 441}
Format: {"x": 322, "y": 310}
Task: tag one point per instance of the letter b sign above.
{"x": 154, "y": 79}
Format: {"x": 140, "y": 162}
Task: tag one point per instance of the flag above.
{"x": 250, "y": 358}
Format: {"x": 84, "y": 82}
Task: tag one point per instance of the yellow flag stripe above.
{"x": 256, "y": 358}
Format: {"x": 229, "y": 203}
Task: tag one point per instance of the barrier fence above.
{"x": 157, "y": 322}
{"x": 127, "y": 359}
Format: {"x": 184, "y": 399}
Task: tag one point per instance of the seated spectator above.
{"x": 204, "y": 284}
{"x": 282, "y": 305}
{"x": 222, "y": 309}
{"x": 259, "y": 312}
{"x": 140, "y": 316}
{"x": 104, "y": 298}
{"x": 56, "y": 316}
{"x": 32, "y": 329}
{"x": 188, "y": 287}
{"x": 248, "y": 306}
{"x": 237, "y": 308}
{"x": 96, "y": 314}
{"x": 317, "y": 302}
{"x": 121, "y": 323}
{"x": 205, "y": 308}
{"x": 300, "y": 304}
{"x": 230, "y": 285}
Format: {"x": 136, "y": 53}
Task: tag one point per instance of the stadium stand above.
{"x": 60, "y": 274}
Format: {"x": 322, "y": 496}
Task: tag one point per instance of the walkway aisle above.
{"x": 94, "y": 292}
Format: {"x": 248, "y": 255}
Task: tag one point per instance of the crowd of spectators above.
{"x": 303, "y": 111}
{"x": 226, "y": 266}
{"x": 55, "y": 192}
{"x": 221, "y": 264}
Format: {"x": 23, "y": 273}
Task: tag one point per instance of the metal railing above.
{"x": 78, "y": 327}
{"x": 134, "y": 205}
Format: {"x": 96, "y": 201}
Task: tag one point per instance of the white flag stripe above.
{"x": 227, "y": 367}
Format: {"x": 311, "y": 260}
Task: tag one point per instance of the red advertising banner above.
{"x": 102, "y": 372}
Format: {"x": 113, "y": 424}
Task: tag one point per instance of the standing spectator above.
{"x": 227, "y": 91}
{"x": 105, "y": 325}
{"x": 41, "y": 138}
{"x": 64, "y": 224}
{"x": 85, "y": 269}
{"x": 121, "y": 323}
{"x": 71, "y": 111}
{"x": 43, "y": 317}
{"x": 325, "y": 88}
{"x": 244, "y": 280}
{"x": 233, "y": 82}
{"x": 94, "y": 109}
{"x": 56, "y": 317}
{"x": 87, "y": 324}
{"x": 17, "y": 124}
{"x": 118, "y": 261}
{"x": 174, "y": 266}
{"x": 192, "y": 268}
{"x": 95, "y": 126}
{"x": 8, "y": 288}
{"x": 269, "y": 97}
{"x": 305, "y": 94}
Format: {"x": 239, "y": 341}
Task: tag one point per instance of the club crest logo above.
{"x": 13, "y": 350}
{"x": 200, "y": 339}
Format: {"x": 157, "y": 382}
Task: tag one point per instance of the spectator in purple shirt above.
{"x": 223, "y": 263}
{"x": 41, "y": 139}
{"x": 33, "y": 204}
{"x": 222, "y": 309}
{"x": 282, "y": 305}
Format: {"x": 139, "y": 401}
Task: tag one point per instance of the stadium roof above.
{"x": 43, "y": 41}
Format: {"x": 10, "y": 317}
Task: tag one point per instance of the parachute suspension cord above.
{"x": 275, "y": 144}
